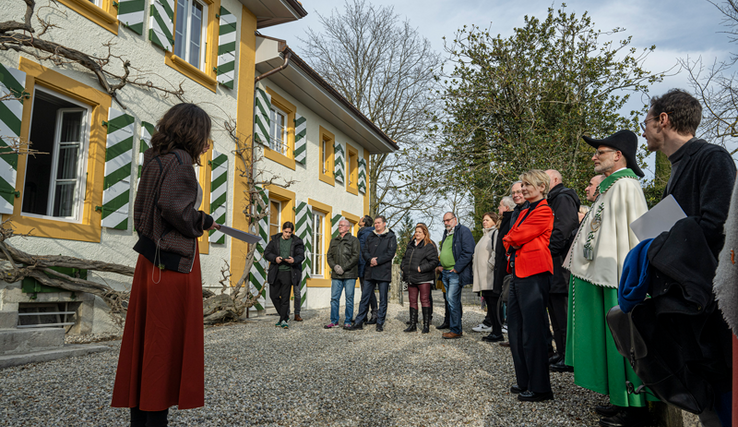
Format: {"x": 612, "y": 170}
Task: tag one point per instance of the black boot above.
{"x": 426, "y": 320}
{"x": 372, "y": 320}
{"x": 444, "y": 325}
{"x": 138, "y": 418}
{"x": 413, "y": 320}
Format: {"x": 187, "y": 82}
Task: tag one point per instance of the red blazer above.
{"x": 533, "y": 236}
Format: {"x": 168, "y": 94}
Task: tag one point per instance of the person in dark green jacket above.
{"x": 343, "y": 259}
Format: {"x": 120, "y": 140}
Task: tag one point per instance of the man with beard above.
{"x": 596, "y": 261}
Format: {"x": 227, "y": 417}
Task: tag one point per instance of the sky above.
{"x": 678, "y": 28}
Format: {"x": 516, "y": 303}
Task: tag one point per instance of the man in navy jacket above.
{"x": 457, "y": 250}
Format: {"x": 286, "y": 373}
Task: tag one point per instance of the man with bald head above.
{"x": 593, "y": 189}
{"x": 565, "y": 204}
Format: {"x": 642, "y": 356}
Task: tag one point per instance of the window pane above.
{"x": 180, "y": 40}
{"x": 195, "y": 34}
{"x": 64, "y": 199}
{"x": 68, "y": 157}
{"x": 71, "y": 130}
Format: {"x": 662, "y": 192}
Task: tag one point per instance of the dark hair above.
{"x": 684, "y": 110}
{"x": 380, "y": 216}
{"x": 289, "y": 225}
{"x": 184, "y": 126}
{"x": 367, "y": 221}
{"x": 494, "y": 216}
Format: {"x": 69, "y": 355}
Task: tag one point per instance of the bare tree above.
{"x": 386, "y": 69}
{"x": 716, "y": 86}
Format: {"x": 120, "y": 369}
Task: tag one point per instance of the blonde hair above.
{"x": 424, "y": 229}
{"x": 538, "y": 178}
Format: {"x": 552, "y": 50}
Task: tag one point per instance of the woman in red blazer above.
{"x": 532, "y": 267}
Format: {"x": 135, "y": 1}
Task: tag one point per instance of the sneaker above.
{"x": 482, "y": 328}
{"x": 278, "y": 324}
{"x": 285, "y": 325}
{"x": 330, "y": 325}
{"x": 504, "y": 329}
{"x": 346, "y": 325}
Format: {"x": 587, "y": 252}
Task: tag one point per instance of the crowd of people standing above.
{"x": 564, "y": 269}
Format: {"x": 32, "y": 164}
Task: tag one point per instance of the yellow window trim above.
{"x": 287, "y": 198}
{"x": 105, "y": 16}
{"x": 205, "y": 174}
{"x": 206, "y": 78}
{"x": 327, "y": 177}
{"x": 367, "y": 199}
{"x": 89, "y": 229}
{"x": 352, "y": 174}
{"x": 289, "y": 108}
{"x": 327, "y": 210}
{"x": 244, "y": 126}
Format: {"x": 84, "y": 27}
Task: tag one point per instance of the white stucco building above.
{"x": 77, "y": 199}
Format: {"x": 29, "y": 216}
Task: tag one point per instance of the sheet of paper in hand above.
{"x": 240, "y": 235}
{"x": 660, "y": 218}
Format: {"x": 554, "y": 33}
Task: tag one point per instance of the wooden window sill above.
{"x": 104, "y": 18}
{"x": 191, "y": 71}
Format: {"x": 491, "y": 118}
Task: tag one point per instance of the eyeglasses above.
{"x": 599, "y": 153}
{"x": 645, "y": 122}
{"x": 449, "y": 220}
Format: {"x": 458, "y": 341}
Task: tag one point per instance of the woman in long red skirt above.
{"x": 161, "y": 361}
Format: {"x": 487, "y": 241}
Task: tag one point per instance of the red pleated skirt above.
{"x": 161, "y": 361}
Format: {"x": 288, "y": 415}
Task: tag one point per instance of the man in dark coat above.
{"x": 698, "y": 169}
{"x": 457, "y": 250}
{"x": 565, "y": 204}
{"x": 364, "y": 232}
{"x": 285, "y": 253}
{"x": 378, "y": 253}
{"x": 343, "y": 259}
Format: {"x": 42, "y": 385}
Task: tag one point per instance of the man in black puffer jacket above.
{"x": 378, "y": 253}
{"x": 364, "y": 232}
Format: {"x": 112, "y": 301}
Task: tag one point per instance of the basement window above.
{"x": 47, "y": 314}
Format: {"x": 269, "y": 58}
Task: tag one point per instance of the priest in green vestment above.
{"x": 596, "y": 261}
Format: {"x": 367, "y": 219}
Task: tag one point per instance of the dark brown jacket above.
{"x": 164, "y": 214}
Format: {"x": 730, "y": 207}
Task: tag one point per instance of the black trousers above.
{"x": 492, "y": 319}
{"x": 279, "y": 292}
{"x": 141, "y": 418}
{"x": 527, "y": 323}
{"x": 557, "y": 308}
{"x": 372, "y": 298}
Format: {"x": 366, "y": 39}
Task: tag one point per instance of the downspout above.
{"x": 253, "y": 144}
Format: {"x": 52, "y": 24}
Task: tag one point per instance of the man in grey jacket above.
{"x": 343, "y": 259}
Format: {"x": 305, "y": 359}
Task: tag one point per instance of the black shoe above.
{"x": 413, "y": 321}
{"x": 493, "y": 338}
{"x": 355, "y": 327}
{"x": 607, "y": 410}
{"x": 426, "y": 320}
{"x": 516, "y": 389}
{"x": 531, "y": 396}
{"x": 444, "y": 325}
{"x": 628, "y": 417}
{"x": 372, "y": 320}
{"x": 554, "y": 359}
{"x": 380, "y": 328}
{"x": 560, "y": 366}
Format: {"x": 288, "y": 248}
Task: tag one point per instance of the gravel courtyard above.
{"x": 259, "y": 375}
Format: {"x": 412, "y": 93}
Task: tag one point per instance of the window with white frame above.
{"x": 190, "y": 33}
{"x": 275, "y": 212}
{"x": 54, "y": 184}
{"x": 278, "y": 130}
{"x": 318, "y": 254}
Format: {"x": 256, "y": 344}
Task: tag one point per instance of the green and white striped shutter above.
{"x": 161, "y": 24}
{"x": 339, "y": 169}
{"x": 362, "y": 175}
{"x": 258, "y": 275}
{"x": 262, "y": 108}
{"x": 147, "y": 130}
{"x": 304, "y": 230}
{"x": 218, "y": 193}
{"x": 118, "y": 159}
{"x": 131, "y": 14}
{"x": 12, "y": 84}
{"x": 300, "y": 139}
{"x": 227, "y": 48}
{"x": 334, "y": 225}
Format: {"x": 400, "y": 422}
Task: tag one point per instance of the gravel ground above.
{"x": 259, "y": 375}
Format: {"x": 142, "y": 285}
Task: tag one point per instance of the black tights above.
{"x": 141, "y": 418}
